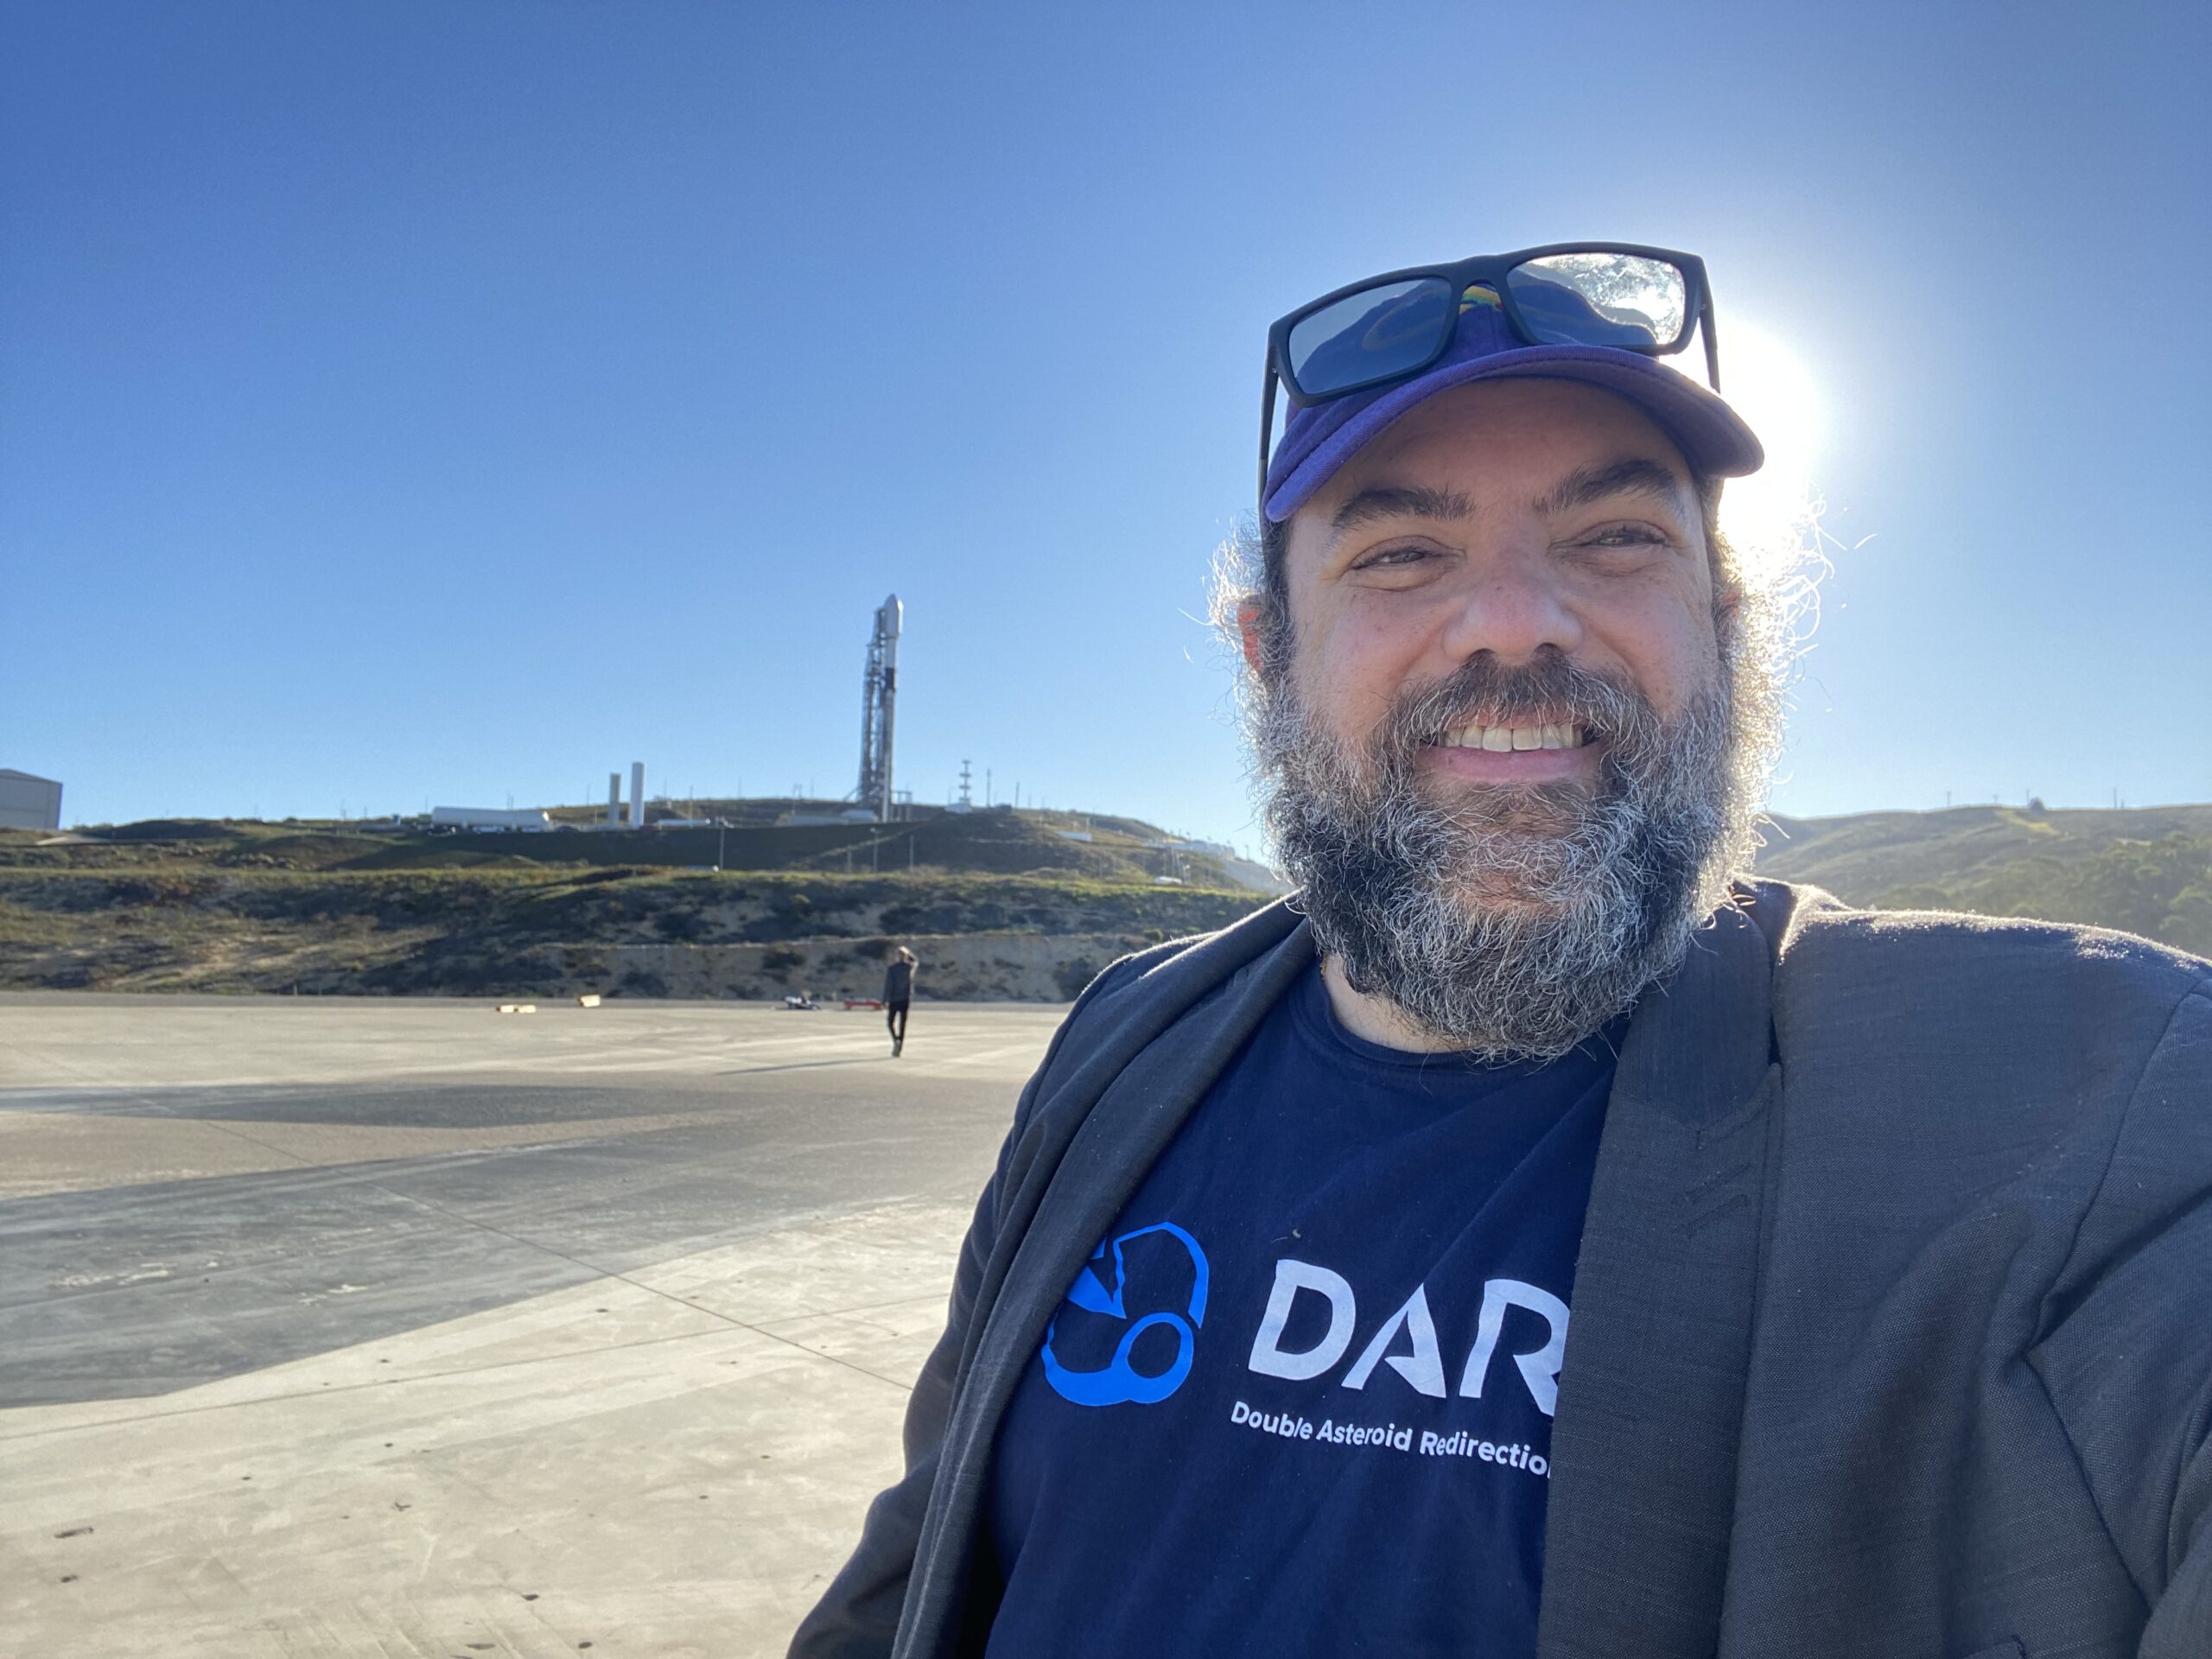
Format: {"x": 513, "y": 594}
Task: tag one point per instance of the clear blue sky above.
{"x": 407, "y": 402}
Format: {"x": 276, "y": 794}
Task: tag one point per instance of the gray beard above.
{"x": 1512, "y": 923}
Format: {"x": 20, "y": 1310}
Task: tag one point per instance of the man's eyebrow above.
{"x": 1633, "y": 477}
{"x": 1399, "y": 501}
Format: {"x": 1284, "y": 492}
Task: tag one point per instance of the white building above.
{"x": 29, "y": 803}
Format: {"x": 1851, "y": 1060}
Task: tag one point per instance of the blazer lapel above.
{"x": 1652, "y": 1392}
{"x": 1110, "y": 1144}
{"x": 1132, "y": 1124}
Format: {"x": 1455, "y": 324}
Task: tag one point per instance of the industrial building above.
{"x": 29, "y": 803}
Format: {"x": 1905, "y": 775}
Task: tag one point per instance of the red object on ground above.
{"x": 852, "y": 1002}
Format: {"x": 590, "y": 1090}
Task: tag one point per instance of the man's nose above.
{"x": 1511, "y": 603}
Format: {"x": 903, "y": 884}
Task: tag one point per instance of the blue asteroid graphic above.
{"x": 1120, "y": 1383}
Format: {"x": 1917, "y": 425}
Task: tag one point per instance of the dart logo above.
{"x": 1103, "y": 1287}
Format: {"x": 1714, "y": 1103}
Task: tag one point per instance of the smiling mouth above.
{"x": 1498, "y": 739}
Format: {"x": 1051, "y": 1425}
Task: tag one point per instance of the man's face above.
{"x": 1503, "y": 756}
{"x": 1516, "y": 518}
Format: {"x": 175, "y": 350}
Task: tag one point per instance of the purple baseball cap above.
{"x": 1319, "y": 438}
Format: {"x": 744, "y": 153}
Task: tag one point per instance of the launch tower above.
{"x": 880, "y": 695}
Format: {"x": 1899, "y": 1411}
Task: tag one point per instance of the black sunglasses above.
{"x": 1391, "y": 327}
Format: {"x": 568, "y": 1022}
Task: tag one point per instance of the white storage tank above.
{"x": 490, "y": 817}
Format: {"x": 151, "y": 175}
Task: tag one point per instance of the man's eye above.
{"x": 1626, "y": 535}
{"x": 1388, "y": 556}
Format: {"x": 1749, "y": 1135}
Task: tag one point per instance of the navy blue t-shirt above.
{"x": 1300, "y": 1403}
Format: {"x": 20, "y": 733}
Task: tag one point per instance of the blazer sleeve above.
{"x": 2127, "y": 1356}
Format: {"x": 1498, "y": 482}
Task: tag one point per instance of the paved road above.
{"x": 264, "y": 1251}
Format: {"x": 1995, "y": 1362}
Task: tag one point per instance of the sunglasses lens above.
{"x": 1369, "y": 336}
{"x": 1603, "y": 299}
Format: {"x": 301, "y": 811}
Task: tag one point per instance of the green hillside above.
{"x": 747, "y": 836}
{"x": 1008, "y": 906}
{"x": 2146, "y": 870}
{"x": 999, "y": 905}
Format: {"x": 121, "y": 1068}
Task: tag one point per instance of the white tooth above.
{"x": 1528, "y": 737}
{"x": 1552, "y": 739}
{"x": 1449, "y": 741}
{"x": 1497, "y": 739}
{"x": 1570, "y": 735}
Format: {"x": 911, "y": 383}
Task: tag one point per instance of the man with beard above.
{"x": 1885, "y": 1241}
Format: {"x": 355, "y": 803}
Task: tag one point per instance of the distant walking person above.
{"x": 898, "y": 992}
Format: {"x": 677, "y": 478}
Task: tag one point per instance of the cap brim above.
{"x": 1712, "y": 436}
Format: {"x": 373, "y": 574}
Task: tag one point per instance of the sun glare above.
{"x": 1769, "y": 386}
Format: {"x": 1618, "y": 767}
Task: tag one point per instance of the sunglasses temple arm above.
{"x": 1712, "y": 343}
{"x": 1267, "y": 429}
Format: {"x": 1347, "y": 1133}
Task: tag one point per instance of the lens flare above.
{"x": 1770, "y": 387}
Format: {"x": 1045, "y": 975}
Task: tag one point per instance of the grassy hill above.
{"x": 999, "y": 904}
{"x": 2146, "y": 870}
{"x": 997, "y": 841}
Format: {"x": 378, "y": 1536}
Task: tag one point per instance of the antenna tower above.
{"x": 879, "y": 698}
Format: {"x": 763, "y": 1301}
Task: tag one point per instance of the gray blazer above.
{"x": 1892, "y": 1330}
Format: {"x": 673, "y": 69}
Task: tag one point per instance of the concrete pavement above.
{"x": 379, "y": 1327}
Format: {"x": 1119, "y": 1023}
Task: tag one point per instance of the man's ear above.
{"x": 1248, "y": 631}
{"x": 1727, "y": 606}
